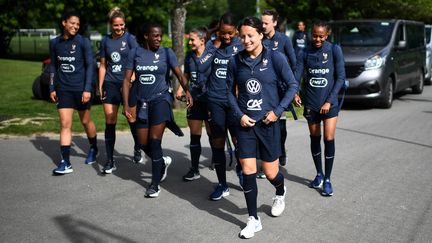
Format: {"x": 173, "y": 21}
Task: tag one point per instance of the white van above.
{"x": 428, "y": 71}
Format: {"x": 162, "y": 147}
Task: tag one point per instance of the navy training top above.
{"x": 71, "y": 63}
{"x": 217, "y": 60}
{"x": 300, "y": 40}
{"x": 151, "y": 70}
{"x": 116, "y": 51}
{"x": 282, "y": 43}
{"x": 198, "y": 79}
{"x": 257, "y": 84}
{"x": 324, "y": 74}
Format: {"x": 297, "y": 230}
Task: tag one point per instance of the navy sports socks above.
{"x": 65, "y": 152}
{"x": 329, "y": 152}
{"x": 282, "y": 123}
{"x": 110, "y": 138}
{"x": 315, "y": 146}
{"x": 219, "y": 160}
{"x": 132, "y": 127}
{"x": 250, "y": 190}
{"x": 278, "y": 183}
{"x": 195, "y": 150}
{"x": 156, "y": 155}
{"x": 93, "y": 142}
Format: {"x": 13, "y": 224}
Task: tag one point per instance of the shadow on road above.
{"x": 77, "y": 230}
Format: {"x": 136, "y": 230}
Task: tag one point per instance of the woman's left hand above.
{"x": 85, "y": 97}
{"x": 270, "y": 117}
{"x": 325, "y": 108}
{"x": 189, "y": 100}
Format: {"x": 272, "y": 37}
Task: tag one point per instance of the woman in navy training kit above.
{"x": 253, "y": 78}
{"x": 226, "y": 45}
{"x": 71, "y": 87}
{"x": 114, "y": 50}
{"x": 324, "y": 76}
{"x": 198, "y": 112}
{"x": 153, "y": 100}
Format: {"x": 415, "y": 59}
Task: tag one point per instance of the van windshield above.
{"x": 362, "y": 33}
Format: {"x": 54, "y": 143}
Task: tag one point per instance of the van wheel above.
{"x": 418, "y": 88}
{"x": 387, "y": 100}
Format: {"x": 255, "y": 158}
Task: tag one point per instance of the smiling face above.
{"x": 226, "y": 33}
{"x": 319, "y": 36}
{"x": 154, "y": 38}
{"x": 251, "y": 39}
{"x": 118, "y": 27}
{"x": 71, "y": 26}
{"x": 195, "y": 42}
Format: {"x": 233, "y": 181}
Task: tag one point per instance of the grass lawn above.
{"x": 21, "y": 114}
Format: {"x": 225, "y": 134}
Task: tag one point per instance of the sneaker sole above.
{"x": 152, "y": 195}
{"x": 326, "y": 194}
{"x": 277, "y": 214}
{"x": 63, "y": 172}
{"x": 109, "y": 171}
{"x": 138, "y": 162}
{"x": 317, "y": 187}
{"x": 166, "y": 167}
{"x": 89, "y": 162}
{"x": 191, "y": 178}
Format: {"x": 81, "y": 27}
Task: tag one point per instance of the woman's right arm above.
{"x": 102, "y": 72}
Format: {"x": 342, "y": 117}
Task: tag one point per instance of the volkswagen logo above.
{"x": 253, "y": 86}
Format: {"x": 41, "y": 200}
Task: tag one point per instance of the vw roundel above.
{"x": 253, "y": 86}
{"x": 318, "y": 82}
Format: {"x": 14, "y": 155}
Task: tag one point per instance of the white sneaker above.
{"x": 167, "y": 162}
{"x": 278, "y": 204}
{"x": 253, "y": 225}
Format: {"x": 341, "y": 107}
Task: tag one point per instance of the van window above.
{"x": 428, "y": 34}
{"x": 415, "y": 36}
{"x": 362, "y": 33}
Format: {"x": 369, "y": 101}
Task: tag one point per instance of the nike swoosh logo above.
{"x": 72, "y": 52}
{"x": 262, "y": 69}
{"x": 121, "y": 49}
{"x": 325, "y": 61}
{"x": 156, "y": 61}
{"x": 274, "y": 48}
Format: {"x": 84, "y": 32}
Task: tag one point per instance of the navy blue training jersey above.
{"x": 72, "y": 63}
{"x": 198, "y": 79}
{"x": 151, "y": 70}
{"x": 116, "y": 51}
{"x": 300, "y": 40}
{"x": 257, "y": 84}
{"x": 282, "y": 43}
{"x": 324, "y": 74}
{"x": 217, "y": 60}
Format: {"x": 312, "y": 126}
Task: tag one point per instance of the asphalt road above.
{"x": 382, "y": 181}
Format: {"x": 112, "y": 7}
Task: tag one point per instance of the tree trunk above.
{"x": 178, "y": 31}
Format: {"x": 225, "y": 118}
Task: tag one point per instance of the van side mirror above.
{"x": 401, "y": 45}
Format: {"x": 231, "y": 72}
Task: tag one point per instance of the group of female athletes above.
{"x": 232, "y": 81}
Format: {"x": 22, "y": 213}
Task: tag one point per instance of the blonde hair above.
{"x": 115, "y": 13}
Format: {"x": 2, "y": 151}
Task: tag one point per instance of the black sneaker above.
{"x": 109, "y": 167}
{"x": 192, "y": 175}
{"x": 137, "y": 158}
{"x": 152, "y": 191}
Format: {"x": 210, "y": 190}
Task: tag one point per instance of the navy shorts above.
{"x": 314, "y": 117}
{"x": 72, "y": 99}
{"x": 159, "y": 111}
{"x": 198, "y": 111}
{"x": 220, "y": 118}
{"x": 260, "y": 141}
{"x": 112, "y": 92}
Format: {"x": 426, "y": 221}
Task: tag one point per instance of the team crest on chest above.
{"x": 276, "y": 45}
{"x": 156, "y": 58}
{"x": 123, "y": 43}
{"x": 235, "y": 50}
{"x": 325, "y": 57}
{"x": 73, "y": 48}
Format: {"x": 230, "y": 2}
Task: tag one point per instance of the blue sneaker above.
{"x": 91, "y": 156}
{"x": 317, "y": 182}
{"x": 63, "y": 168}
{"x": 327, "y": 188}
{"x": 219, "y": 192}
